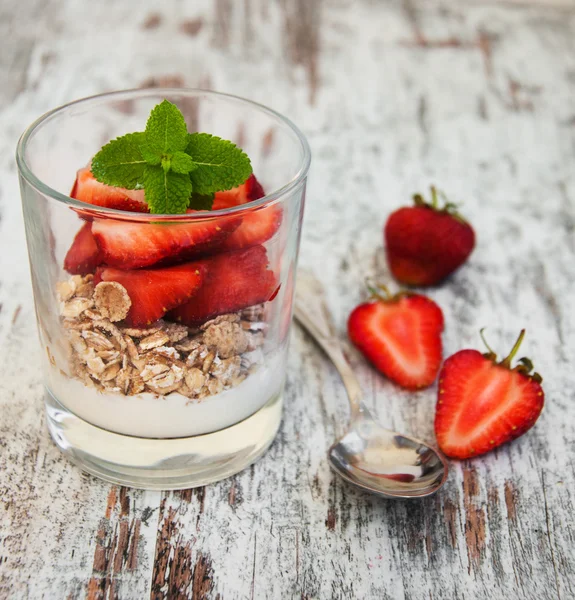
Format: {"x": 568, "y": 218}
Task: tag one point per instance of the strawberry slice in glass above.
{"x": 88, "y": 189}
{"x": 234, "y": 281}
{"x": 133, "y": 245}
{"x": 259, "y": 225}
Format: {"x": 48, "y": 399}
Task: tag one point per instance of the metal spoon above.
{"x": 375, "y": 459}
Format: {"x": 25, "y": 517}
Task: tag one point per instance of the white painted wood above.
{"x": 475, "y": 97}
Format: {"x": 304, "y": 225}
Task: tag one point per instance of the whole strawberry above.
{"x": 426, "y": 243}
{"x": 400, "y": 335}
{"x": 482, "y": 403}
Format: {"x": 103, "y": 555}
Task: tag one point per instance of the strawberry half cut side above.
{"x": 88, "y": 189}
{"x": 83, "y": 256}
{"x": 425, "y": 243}
{"x": 154, "y": 292}
{"x": 400, "y": 335}
{"x": 482, "y": 403}
{"x": 258, "y": 225}
{"x": 131, "y": 245}
{"x": 234, "y": 280}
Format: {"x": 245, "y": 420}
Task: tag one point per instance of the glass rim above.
{"x": 127, "y": 94}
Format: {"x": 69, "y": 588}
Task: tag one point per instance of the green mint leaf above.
{"x": 166, "y": 130}
{"x": 182, "y": 163}
{"x": 221, "y": 165}
{"x": 120, "y": 162}
{"x": 149, "y": 153}
{"x": 166, "y": 192}
{"x": 201, "y": 201}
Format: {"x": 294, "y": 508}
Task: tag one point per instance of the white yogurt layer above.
{"x": 174, "y": 415}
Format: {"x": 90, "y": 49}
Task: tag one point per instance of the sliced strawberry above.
{"x": 154, "y": 292}
{"x": 248, "y": 191}
{"x": 88, "y": 189}
{"x": 401, "y": 336}
{"x": 482, "y": 404}
{"x": 234, "y": 280}
{"x": 83, "y": 256}
{"x": 130, "y": 245}
{"x": 257, "y": 226}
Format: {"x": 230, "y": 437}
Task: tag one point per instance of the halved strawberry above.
{"x": 83, "y": 256}
{"x": 425, "y": 244}
{"x": 257, "y": 226}
{"x": 131, "y": 245}
{"x": 154, "y": 292}
{"x": 482, "y": 403}
{"x": 88, "y": 189}
{"x": 234, "y": 280}
{"x": 401, "y": 336}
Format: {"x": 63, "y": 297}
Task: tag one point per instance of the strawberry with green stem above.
{"x": 426, "y": 243}
{"x": 482, "y": 403}
{"x": 400, "y": 334}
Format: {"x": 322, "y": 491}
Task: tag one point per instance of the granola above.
{"x": 112, "y": 300}
{"x": 162, "y": 358}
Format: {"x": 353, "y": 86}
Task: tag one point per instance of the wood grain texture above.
{"x": 474, "y": 96}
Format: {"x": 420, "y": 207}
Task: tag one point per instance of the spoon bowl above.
{"x": 387, "y": 463}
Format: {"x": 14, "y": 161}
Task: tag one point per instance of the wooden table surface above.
{"x": 475, "y": 96}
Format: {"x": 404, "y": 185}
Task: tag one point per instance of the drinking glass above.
{"x": 173, "y": 404}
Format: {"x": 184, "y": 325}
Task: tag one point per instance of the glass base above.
{"x": 163, "y": 464}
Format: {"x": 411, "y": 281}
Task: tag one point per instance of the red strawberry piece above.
{"x": 154, "y": 292}
{"x": 248, "y": 191}
{"x": 425, "y": 244}
{"x": 131, "y": 245}
{"x": 482, "y": 403}
{"x": 83, "y": 256}
{"x": 234, "y": 280}
{"x": 88, "y": 189}
{"x": 258, "y": 225}
{"x": 401, "y": 336}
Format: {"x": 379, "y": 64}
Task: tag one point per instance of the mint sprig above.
{"x": 177, "y": 170}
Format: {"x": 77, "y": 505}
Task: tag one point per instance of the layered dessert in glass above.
{"x": 164, "y": 334}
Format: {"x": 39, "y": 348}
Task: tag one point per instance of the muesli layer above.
{"x": 162, "y": 358}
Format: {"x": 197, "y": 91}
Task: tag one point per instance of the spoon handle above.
{"x": 312, "y": 314}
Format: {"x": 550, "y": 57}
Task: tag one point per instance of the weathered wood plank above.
{"x": 476, "y": 97}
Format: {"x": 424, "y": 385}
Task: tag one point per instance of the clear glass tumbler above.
{"x": 196, "y": 396}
